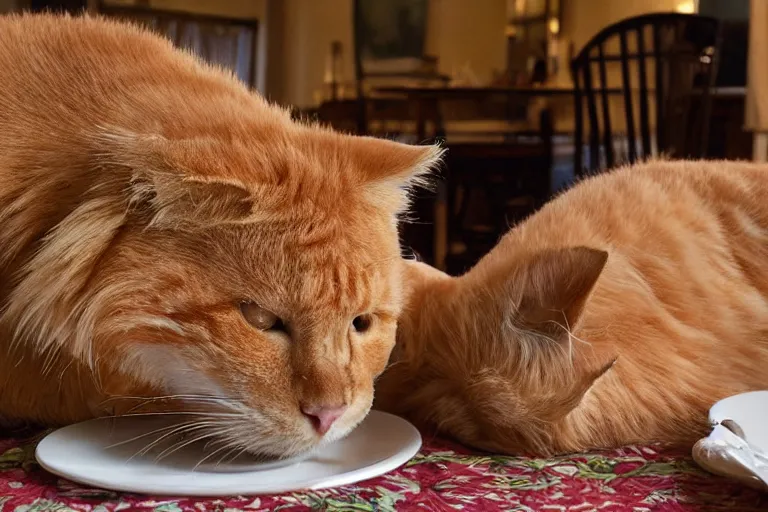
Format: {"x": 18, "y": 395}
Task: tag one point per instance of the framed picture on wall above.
{"x": 391, "y": 33}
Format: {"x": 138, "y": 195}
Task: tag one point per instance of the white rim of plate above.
{"x": 371, "y": 470}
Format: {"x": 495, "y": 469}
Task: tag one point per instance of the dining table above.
{"x": 431, "y": 126}
{"x": 427, "y": 100}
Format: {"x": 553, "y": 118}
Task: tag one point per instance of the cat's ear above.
{"x": 572, "y": 393}
{"x": 551, "y": 289}
{"x": 173, "y": 201}
{"x": 165, "y": 185}
{"x": 388, "y": 170}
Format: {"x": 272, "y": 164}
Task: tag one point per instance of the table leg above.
{"x": 760, "y": 147}
{"x": 441, "y": 225}
{"x": 421, "y": 122}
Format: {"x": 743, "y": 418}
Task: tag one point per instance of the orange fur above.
{"x": 617, "y": 314}
{"x": 143, "y": 195}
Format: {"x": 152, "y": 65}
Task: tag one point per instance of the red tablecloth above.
{"x": 443, "y": 476}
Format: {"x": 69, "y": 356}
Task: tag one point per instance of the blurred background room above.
{"x": 526, "y": 95}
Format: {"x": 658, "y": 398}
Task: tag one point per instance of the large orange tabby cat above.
{"x": 165, "y": 232}
{"x": 617, "y": 314}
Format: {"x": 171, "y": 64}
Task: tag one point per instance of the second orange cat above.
{"x": 618, "y": 314}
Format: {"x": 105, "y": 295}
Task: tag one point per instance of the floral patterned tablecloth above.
{"x": 443, "y": 476}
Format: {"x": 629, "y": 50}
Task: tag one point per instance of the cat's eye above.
{"x": 362, "y": 323}
{"x": 261, "y": 318}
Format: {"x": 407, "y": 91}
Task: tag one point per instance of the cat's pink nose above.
{"x": 323, "y": 416}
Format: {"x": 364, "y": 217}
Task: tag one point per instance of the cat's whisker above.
{"x": 229, "y": 404}
{"x": 227, "y": 454}
{"x": 242, "y": 450}
{"x": 184, "y": 443}
{"x": 141, "y": 436}
{"x": 175, "y": 413}
{"x": 166, "y": 397}
{"x": 226, "y": 446}
{"x": 220, "y": 400}
{"x": 188, "y": 427}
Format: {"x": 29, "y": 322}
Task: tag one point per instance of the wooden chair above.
{"x": 492, "y": 185}
{"x": 670, "y": 56}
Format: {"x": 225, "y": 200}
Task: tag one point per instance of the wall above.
{"x": 582, "y": 19}
{"x": 465, "y": 33}
{"x": 459, "y": 32}
{"x": 307, "y": 28}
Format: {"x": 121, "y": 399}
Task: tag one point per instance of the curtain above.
{"x": 227, "y": 44}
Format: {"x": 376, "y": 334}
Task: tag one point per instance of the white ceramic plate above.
{"x": 738, "y": 444}
{"x": 97, "y": 453}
